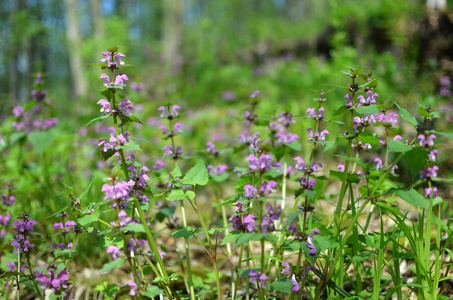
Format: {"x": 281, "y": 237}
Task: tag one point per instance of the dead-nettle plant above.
{"x": 285, "y": 223}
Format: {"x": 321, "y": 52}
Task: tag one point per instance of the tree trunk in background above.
{"x": 98, "y": 23}
{"x": 436, "y": 4}
{"x": 79, "y": 83}
{"x": 14, "y": 50}
{"x": 172, "y": 12}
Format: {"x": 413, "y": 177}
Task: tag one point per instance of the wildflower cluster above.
{"x": 37, "y": 115}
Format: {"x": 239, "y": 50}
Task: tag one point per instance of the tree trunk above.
{"x": 79, "y": 82}
{"x": 172, "y": 35}
{"x": 436, "y": 4}
{"x": 98, "y": 23}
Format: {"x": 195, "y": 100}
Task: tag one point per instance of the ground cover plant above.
{"x": 337, "y": 201}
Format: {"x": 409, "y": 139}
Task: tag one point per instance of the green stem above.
{"x": 213, "y": 254}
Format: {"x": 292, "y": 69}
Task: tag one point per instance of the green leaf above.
{"x": 198, "y": 175}
{"x": 231, "y": 237}
{"x": 41, "y": 140}
{"x": 325, "y": 242}
{"x": 416, "y": 160}
{"x": 292, "y": 216}
{"x": 412, "y": 197}
{"x": 176, "y": 172}
{"x": 102, "y": 65}
{"x": 68, "y": 190}
{"x": 249, "y": 236}
{"x": 97, "y": 119}
{"x": 399, "y": 146}
{"x": 446, "y": 134}
{"x": 106, "y": 155}
{"x": 130, "y": 146}
{"x": 130, "y": 118}
{"x": 16, "y": 136}
{"x": 107, "y": 93}
{"x": 342, "y": 110}
{"x": 190, "y": 195}
{"x": 368, "y": 138}
{"x": 408, "y": 117}
{"x": 296, "y": 145}
{"x": 87, "y": 219}
{"x": 220, "y": 178}
{"x": 153, "y": 291}
{"x": 228, "y": 201}
{"x": 185, "y": 232}
{"x": 283, "y": 285}
{"x": 217, "y": 230}
{"x": 370, "y": 109}
{"x": 176, "y": 195}
{"x": 135, "y": 227}
{"x": 117, "y": 263}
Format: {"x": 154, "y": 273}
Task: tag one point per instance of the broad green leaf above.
{"x": 399, "y": 146}
{"x": 283, "y": 285}
{"x": 325, "y": 242}
{"x": 342, "y": 110}
{"x": 249, "y": 236}
{"x": 130, "y": 118}
{"x": 228, "y": 201}
{"x": 106, "y": 155}
{"x": 176, "y": 195}
{"x": 416, "y": 160}
{"x": 220, "y": 178}
{"x": 176, "y": 172}
{"x": 231, "y": 237}
{"x": 190, "y": 195}
{"x": 367, "y": 138}
{"x": 41, "y": 140}
{"x": 370, "y": 109}
{"x": 16, "y": 136}
{"x": 87, "y": 219}
{"x": 102, "y": 65}
{"x": 68, "y": 190}
{"x": 198, "y": 175}
{"x": 135, "y": 227}
{"x": 408, "y": 117}
{"x": 217, "y": 230}
{"x": 446, "y": 134}
{"x": 117, "y": 263}
{"x": 153, "y": 291}
{"x": 412, "y": 197}
{"x": 97, "y": 119}
{"x": 296, "y": 145}
{"x": 185, "y": 232}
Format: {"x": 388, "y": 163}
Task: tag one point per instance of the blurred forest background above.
{"x": 201, "y": 51}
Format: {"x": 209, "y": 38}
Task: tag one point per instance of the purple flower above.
{"x": 169, "y": 152}
{"x": 340, "y": 168}
{"x": 370, "y": 98}
{"x": 18, "y": 111}
{"x": 123, "y": 218}
{"x": 268, "y": 187}
{"x": 249, "y": 223}
{"x": 141, "y": 177}
{"x": 260, "y": 164}
{"x": 105, "y": 106}
{"x": 125, "y": 107}
{"x": 8, "y": 200}
{"x": 137, "y": 86}
{"x": 429, "y": 172}
{"x": 250, "y": 191}
{"x": 295, "y": 283}
{"x": 11, "y": 266}
{"x": 444, "y": 80}
{"x": 307, "y": 184}
{"x": 114, "y": 250}
{"x": 287, "y": 269}
{"x": 432, "y": 155}
{"x": 255, "y": 94}
{"x": 426, "y": 141}
{"x": 134, "y": 288}
{"x": 119, "y": 80}
{"x": 106, "y": 79}
{"x": 429, "y": 191}
{"x": 119, "y": 190}
{"x": 379, "y": 163}
{"x": 168, "y": 111}
{"x": 159, "y": 164}
{"x": 53, "y": 282}
{"x": 217, "y": 171}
